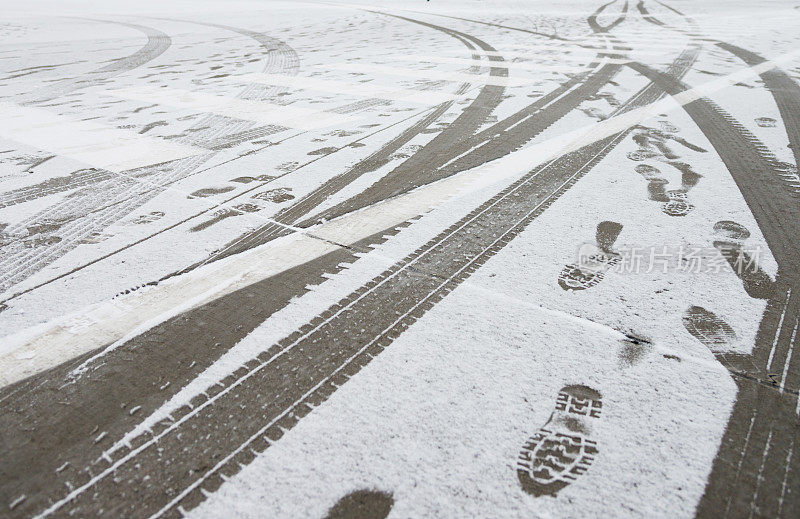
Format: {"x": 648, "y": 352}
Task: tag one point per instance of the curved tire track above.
{"x": 596, "y": 27}
{"x": 157, "y": 43}
{"x": 425, "y": 168}
{"x": 431, "y": 163}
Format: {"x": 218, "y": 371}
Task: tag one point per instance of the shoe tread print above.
{"x": 593, "y": 260}
{"x": 708, "y": 328}
{"x": 561, "y": 450}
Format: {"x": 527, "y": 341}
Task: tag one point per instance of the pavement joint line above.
{"x": 711, "y": 364}
{"x": 766, "y": 383}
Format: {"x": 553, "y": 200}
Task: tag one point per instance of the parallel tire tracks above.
{"x": 461, "y": 128}
{"x": 453, "y": 150}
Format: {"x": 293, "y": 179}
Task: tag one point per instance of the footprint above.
{"x": 323, "y": 151}
{"x": 95, "y": 237}
{"x": 243, "y": 180}
{"x": 677, "y": 204}
{"x": 247, "y": 180}
{"x": 729, "y": 231}
{"x": 286, "y": 167}
{"x": 729, "y": 241}
{"x": 561, "y": 451}
{"x": 209, "y": 191}
{"x": 674, "y": 202}
{"x": 593, "y": 260}
{"x": 147, "y": 218}
{"x": 708, "y": 328}
{"x": 668, "y": 127}
{"x": 362, "y": 504}
{"x": 247, "y": 208}
{"x": 653, "y": 144}
{"x": 594, "y": 113}
{"x": 655, "y": 182}
{"x": 41, "y": 241}
{"x": 765, "y": 122}
{"x": 224, "y": 213}
{"x": 278, "y": 195}
{"x": 641, "y": 154}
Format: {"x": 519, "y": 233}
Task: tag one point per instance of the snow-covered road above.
{"x": 423, "y": 259}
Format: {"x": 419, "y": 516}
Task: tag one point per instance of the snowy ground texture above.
{"x": 418, "y": 259}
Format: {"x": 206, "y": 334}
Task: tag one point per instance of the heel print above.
{"x": 362, "y": 504}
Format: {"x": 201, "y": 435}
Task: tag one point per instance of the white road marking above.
{"x": 437, "y": 75}
{"x": 368, "y": 90}
{"x": 89, "y": 142}
{"x": 41, "y": 347}
{"x": 258, "y": 111}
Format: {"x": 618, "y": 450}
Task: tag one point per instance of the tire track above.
{"x": 141, "y": 374}
{"x": 764, "y": 421}
{"x": 518, "y": 130}
{"x": 223, "y": 204}
{"x": 76, "y": 179}
{"x": 442, "y": 157}
{"x": 424, "y": 168}
{"x": 784, "y": 90}
{"x": 374, "y": 161}
{"x": 157, "y": 43}
{"x": 756, "y": 468}
{"x": 596, "y": 27}
{"x": 526, "y": 124}
{"x": 464, "y": 125}
{"x": 188, "y": 454}
{"x": 501, "y": 26}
